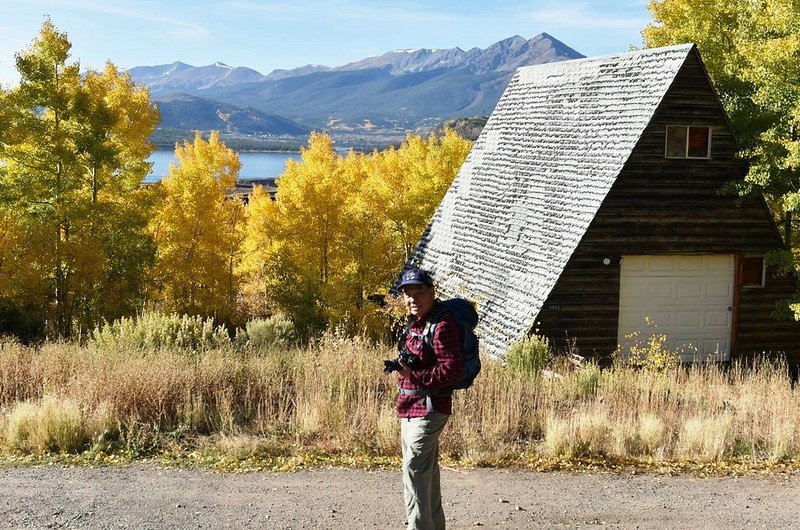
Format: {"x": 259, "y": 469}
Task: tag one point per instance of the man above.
{"x": 425, "y": 403}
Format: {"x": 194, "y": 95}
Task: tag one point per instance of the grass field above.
{"x": 234, "y": 405}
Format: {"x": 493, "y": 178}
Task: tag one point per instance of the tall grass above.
{"x": 332, "y": 396}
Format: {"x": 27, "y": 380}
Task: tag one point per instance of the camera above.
{"x": 408, "y": 358}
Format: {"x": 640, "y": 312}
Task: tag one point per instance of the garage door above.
{"x": 688, "y": 298}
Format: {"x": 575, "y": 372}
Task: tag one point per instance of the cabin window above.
{"x": 688, "y": 141}
{"x": 753, "y": 271}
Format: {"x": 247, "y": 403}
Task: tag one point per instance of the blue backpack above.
{"x": 463, "y": 312}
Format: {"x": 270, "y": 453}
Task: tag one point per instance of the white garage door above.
{"x": 688, "y": 298}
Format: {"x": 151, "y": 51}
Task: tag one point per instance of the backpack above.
{"x": 463, "y": 312}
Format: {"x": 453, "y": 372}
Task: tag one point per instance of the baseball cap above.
{"x": 415, "y": 276}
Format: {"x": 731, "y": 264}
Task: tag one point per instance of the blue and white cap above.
{"x": 415, "y": 277}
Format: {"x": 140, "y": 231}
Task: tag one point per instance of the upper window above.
{"x": 688, "y": 141}
{"x": 753, "y": 271}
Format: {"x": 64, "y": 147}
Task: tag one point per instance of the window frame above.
{"x": 687, "y": 129}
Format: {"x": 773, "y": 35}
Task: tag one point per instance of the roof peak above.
{"x": 535, "y": 179}
{"x": 632, "y": 53}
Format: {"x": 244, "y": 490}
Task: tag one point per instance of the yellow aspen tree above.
{"x": 234, "y": 218}
{"x": 388, "y": 185}
{"x": 114, "y": 147}
{"x": 342, "y": 226}
{"x": 410, "y": 181}
{"x": 64, "y": 138}
{"x": 260, "y": 246}
{"x": 372, "y": 252}
{"x": 394, "y": 196}
{"x": 312, "y": 201}
{"x": 198, "y": 231}
{"x": 343, "y": 293}
{"x": 445, "y": 157}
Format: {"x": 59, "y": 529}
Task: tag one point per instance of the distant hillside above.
{"x": 384, "y": 95}
{"x": 180, "y": 111}
{"x": 469, "y": 128}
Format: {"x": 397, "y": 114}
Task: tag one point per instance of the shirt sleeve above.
{"x": 449, "y": 365}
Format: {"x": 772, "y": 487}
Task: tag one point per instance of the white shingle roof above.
{"x": 534, "y": 181}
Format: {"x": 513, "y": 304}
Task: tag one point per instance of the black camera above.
{"x": 408, "y": 358}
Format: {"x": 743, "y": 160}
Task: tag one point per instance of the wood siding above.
{"x": 759, "y": 332}
{"x": 669, "y": 206}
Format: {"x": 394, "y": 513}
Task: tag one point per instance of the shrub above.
{"x": 529, "y": 356}
{"x": 587, "y": 379}
{"x": 275, "y": 332}
{"x": 650, "y": 353}
{"x": 52, "y": 425}
{"x": 705, "y": 437}
{"x": 592, "y": 432}
{"x": 157, "y": 331}
{"x": 556, "y": 437}
{"x": 652, "y": 433}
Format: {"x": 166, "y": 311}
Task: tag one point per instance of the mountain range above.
{"x": 384, "y": 95}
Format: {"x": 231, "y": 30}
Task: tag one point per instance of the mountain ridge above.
{"x": 389, "y": 93}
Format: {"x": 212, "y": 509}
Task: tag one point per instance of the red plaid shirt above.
{"x": 440, "y": 366}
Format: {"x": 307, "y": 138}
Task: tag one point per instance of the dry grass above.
{"x": 54, "y": 424}
{"x": 332, "y": 398}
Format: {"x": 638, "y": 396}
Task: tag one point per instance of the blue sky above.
{"x": 270, "y": 34}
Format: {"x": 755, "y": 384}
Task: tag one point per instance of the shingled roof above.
{"x": 534, "y": 180}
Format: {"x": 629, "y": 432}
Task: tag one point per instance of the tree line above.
{"x": 82, "y": 240}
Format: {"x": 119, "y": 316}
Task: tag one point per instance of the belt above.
{"x": 426, "y": 393}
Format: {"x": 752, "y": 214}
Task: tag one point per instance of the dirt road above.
{"x": 144, "y": 496}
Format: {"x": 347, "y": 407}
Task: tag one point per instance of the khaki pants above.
{"x": 421, "y": 489}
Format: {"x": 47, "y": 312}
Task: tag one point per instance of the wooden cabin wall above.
{"x": 665, "y": 206}
{"x": 759, "y": 332}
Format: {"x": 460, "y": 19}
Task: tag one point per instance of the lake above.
{"x": 255, "y": 164}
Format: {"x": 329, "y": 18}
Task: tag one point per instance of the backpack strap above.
{"x": 425, "y": 391}
{"x": 401, "y": 339}
{"x": 427, "y": 331}
{"x": 430, "y": 325}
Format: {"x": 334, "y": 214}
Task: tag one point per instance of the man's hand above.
{"x": 405, "y": 372}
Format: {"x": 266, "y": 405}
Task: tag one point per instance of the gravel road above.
{"x": 145, "y": 496}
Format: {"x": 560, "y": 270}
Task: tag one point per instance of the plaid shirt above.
{"x": 440, "y": 366}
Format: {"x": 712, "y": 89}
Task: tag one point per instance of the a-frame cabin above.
{"x": 592, "y": 201}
